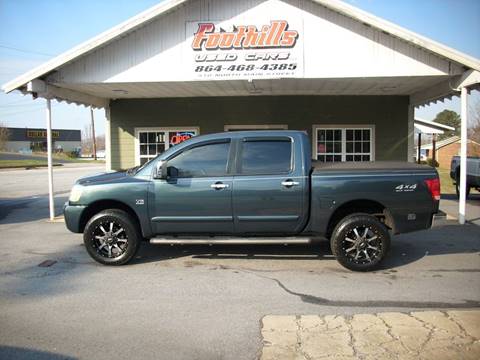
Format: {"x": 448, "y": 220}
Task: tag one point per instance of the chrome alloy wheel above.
{"x": 362, "y": 245}
{"x": 110, "y": 239}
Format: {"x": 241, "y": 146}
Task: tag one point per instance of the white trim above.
{"x": 411, "y": 133}
{"x": 169, "y": 5}
{"x": 108, "y": 140}
{"x": 400, "y": 32}
{"x": 256, "y": 127}
{"x": 463, "y": 155}
{"x": 90, "y": 45}
{"x": 343, "y": 127}
{"x": 137, "y": 130}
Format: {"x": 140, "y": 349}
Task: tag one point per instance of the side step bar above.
{"x": 233, "y": 240}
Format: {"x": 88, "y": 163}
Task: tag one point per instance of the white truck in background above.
{"x": 473, "y": 173}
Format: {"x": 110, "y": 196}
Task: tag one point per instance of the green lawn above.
{"x": 446, "y": 184}
{"x": 4, "y": 164}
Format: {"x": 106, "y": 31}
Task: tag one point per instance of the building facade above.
{"x": 35, "y": 139}
{"x": 191, "y": 67}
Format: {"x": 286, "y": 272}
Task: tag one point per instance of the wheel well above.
{"x": 361, "y": 206}
{"x": 97, "y": 206}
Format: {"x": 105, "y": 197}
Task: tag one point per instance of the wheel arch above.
{"x": 100, "y": 205}
{"x": 366, "y": 206}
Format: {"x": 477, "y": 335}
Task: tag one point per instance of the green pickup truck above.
{"x": 252, "y": 187}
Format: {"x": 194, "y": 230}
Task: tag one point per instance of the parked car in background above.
{"x": 473, "y": 173}
{"x": 254, "y": 187}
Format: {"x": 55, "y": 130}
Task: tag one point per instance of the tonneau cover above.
{"x": 321, "y": 168}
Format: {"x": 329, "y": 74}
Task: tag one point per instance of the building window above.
{"x": 150, "y": 142}
{"x": 343, "y": 143}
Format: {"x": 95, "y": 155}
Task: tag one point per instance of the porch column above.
{"x": 419, "y": 148}
{"x": 463, "y": 156}
{"x": 411, "y": 133}
{"x": 434, "y": 149}
{"x": 108, "y": 142}
{"x": 93, "y": 134}
{"x": 51, "y": 204}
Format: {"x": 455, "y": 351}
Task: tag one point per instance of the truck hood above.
{"x": 102, "y": 177}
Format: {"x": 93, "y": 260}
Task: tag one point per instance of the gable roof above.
{"x": 447, "y": 141}
{"x": 430, "y": 127}
{"x": 170, "y": 5}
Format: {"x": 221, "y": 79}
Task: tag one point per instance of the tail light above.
{"x": 433, "y": 186}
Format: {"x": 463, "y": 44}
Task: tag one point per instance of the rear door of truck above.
{"x": 269, "y": 188}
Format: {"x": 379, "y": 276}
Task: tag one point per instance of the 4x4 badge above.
{"x": 406, "y": 187}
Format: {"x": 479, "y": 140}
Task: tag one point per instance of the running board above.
{"x": 233, "y": 240}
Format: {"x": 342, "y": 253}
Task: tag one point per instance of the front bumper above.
{"x": 73, "y": 216}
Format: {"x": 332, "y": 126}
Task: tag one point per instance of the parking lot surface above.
{"x": 202, "y": 302}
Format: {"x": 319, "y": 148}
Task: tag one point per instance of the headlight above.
{"x": 76, "y": 193}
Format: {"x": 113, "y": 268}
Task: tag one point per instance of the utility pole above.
{"x": 93, "y": 135}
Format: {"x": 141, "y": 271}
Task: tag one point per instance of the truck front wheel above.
{"x": 360, "y": 242}
{"x": 112, "y": 237}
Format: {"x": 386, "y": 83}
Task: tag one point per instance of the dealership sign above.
{"x": 272, "y": 49}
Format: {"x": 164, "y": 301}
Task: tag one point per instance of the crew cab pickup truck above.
{"x": 252, "y": 187}
{"x": 473, "y": 173}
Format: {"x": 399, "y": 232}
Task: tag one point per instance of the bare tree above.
{"x": 4, "y": 135}
{"x": 474, "y": 123}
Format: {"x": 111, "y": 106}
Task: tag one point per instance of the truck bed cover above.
{"x": 321, "y": 168}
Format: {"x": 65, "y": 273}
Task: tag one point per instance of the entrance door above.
{"x": 268, "y": 191}
{"x": 199, "y": 200}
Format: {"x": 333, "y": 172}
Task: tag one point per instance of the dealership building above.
{"x": 34, "y": 139}
{"x": 188, "y": 67}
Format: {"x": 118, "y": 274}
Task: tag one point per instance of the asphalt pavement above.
{"x": 200, "y": 302}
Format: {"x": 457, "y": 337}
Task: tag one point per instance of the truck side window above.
{"x": 202, "y": 161}
{"x": 266, "y": 157}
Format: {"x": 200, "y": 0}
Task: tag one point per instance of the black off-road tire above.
{"x": 121, "y": 220}
{"x": 350, "y": 254}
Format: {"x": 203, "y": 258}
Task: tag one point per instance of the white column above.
{"x": 463, "y": 156}
{"x": 411, "y": 133}
{"x": 49, "y": 157}
{"x": 108, "y": 142}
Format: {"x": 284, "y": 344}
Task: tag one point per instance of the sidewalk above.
{"x": 434, "y": 335}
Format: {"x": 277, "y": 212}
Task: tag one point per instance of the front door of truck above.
{"x": 268, "y": 187}
{"x": 199, "y": 199}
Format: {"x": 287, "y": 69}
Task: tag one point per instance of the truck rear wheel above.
{"x": 112, "y": 237}
{"x": 360, "y": 242}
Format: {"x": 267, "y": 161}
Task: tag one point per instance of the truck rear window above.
{"x": 266, "y": 157}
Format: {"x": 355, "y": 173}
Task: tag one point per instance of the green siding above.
{"x": 389, "y": 114}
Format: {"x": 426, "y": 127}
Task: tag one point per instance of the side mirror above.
{"x": 172, "y": 172}
{"x": 165, "y": 172}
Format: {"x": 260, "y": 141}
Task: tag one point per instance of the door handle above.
{"x": 219, "y": 186}
{"x": 289, "y": 183}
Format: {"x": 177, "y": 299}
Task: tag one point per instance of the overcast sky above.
{"x": 33, "y": 31}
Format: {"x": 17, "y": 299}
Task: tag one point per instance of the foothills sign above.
{"x": 272, "y": 49}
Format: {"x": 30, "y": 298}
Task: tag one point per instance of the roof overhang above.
{"x": 422, "y": 90}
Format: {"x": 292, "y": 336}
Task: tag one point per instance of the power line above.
{"x": 25, "y": 51}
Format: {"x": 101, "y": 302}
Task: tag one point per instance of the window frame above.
{"x": 166, "y": 130}
{"x": 242, "y": 141}
{"x": 228, "y": 168}
{"x": 343, "y": 128}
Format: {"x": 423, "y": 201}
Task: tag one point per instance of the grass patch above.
{"x": 447, "y": 185}
{"x": 5, "y": 164}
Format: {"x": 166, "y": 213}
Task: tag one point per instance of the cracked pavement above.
{"x": 389, "y": 335}
{"x": 207, "y": 302}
